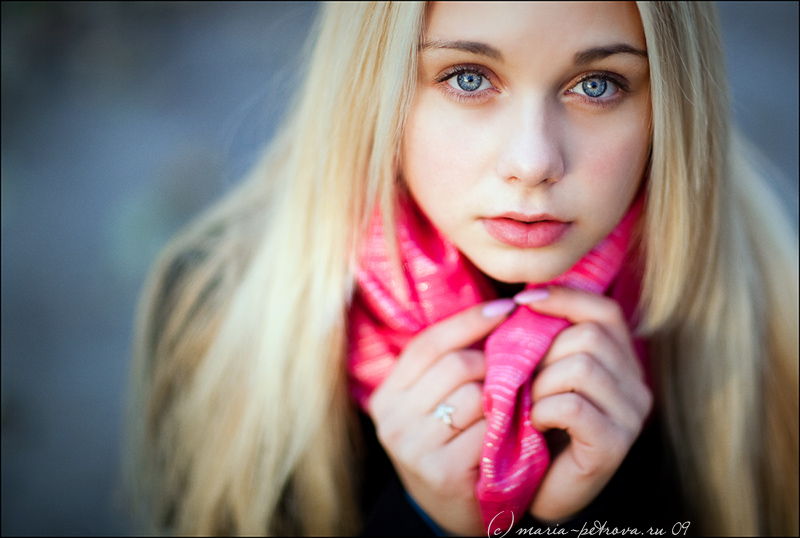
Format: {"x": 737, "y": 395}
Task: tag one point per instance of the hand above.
{"x": 591, "y": 386}
{"x": 439, "y": 464}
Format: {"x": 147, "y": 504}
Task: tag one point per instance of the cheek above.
{"x": 615, "y": 164}
{"x": 438, "y": 160}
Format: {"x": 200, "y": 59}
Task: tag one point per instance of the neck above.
{"x": 506, "y": 289}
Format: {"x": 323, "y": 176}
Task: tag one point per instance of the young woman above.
{"x": 441, "y": 160}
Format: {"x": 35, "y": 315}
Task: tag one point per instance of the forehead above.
{"x": 545, "y": 28}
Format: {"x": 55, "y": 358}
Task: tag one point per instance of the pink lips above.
{"x": 523, "y": 231}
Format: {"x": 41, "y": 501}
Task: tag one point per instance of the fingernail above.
{"x": 529, "y": 296}
{"x": 498, "y": 308}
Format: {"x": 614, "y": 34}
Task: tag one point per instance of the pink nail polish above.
{"x": 529, "y": 296}
{"x": 498, "y": 308}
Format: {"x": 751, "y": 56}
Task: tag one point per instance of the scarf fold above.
{"x": 437, "y": 281}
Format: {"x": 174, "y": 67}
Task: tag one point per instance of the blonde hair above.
{"x": 240, "y": 416}
{"x": 720, "y": 291}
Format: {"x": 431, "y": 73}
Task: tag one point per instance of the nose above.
{"x": 532, "y": 152}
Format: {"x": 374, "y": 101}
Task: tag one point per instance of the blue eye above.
{"x": 469, "y": 82}
{"x": 595, "y": 87}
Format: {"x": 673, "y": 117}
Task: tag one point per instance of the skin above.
{"x": 526, "y": 142}
{"x": 531, "y": 141}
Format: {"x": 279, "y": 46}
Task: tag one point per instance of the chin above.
{"x": 519, "y": 272}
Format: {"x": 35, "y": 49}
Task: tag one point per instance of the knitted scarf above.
{"x": 438, "y": 282}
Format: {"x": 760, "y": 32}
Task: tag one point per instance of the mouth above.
{"x": 526, "y": 230}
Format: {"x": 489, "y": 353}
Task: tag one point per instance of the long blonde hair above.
{"x": 240, "y": 417}
{"x": 720, "y": 290}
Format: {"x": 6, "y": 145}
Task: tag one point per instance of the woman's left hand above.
{"x": 590, "y": 385}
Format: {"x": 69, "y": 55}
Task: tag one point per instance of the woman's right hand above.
{"x": 439, "y": 464}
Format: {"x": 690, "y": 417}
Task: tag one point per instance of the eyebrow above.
{"x": 582, "y": 57}
{"x": 475, "y": 47}
{"x": 598, "y": 53}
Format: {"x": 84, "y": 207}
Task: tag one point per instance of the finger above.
{"x": 462, "y": 408}
{"x": 446, "y": 375}
{"x": 599, "y": 328}
{"x": 466, "y": 447}
{"x": 583, "y": 374}
{"x": 456, "y": 332}
{"x": 578, "y": 306}
{"x": 594, "y": 449}
{"x": 594, "y": 339}
{"x": 461, "y": 453}
{"x": 591, "y": 432}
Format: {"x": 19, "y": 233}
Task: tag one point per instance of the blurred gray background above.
{"x": 120, "y": 121}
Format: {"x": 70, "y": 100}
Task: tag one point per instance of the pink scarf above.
{"x": 440, "y": 282}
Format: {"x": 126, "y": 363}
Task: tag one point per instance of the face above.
{"x": 529, "y": 134}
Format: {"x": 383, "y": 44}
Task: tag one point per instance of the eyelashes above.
{"x": 473, "y": 84}
{"x": 599, "y": 89}
{"x": 466, "y": 83}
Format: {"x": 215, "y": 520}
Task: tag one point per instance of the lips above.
{"x": 526, "y": 231}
